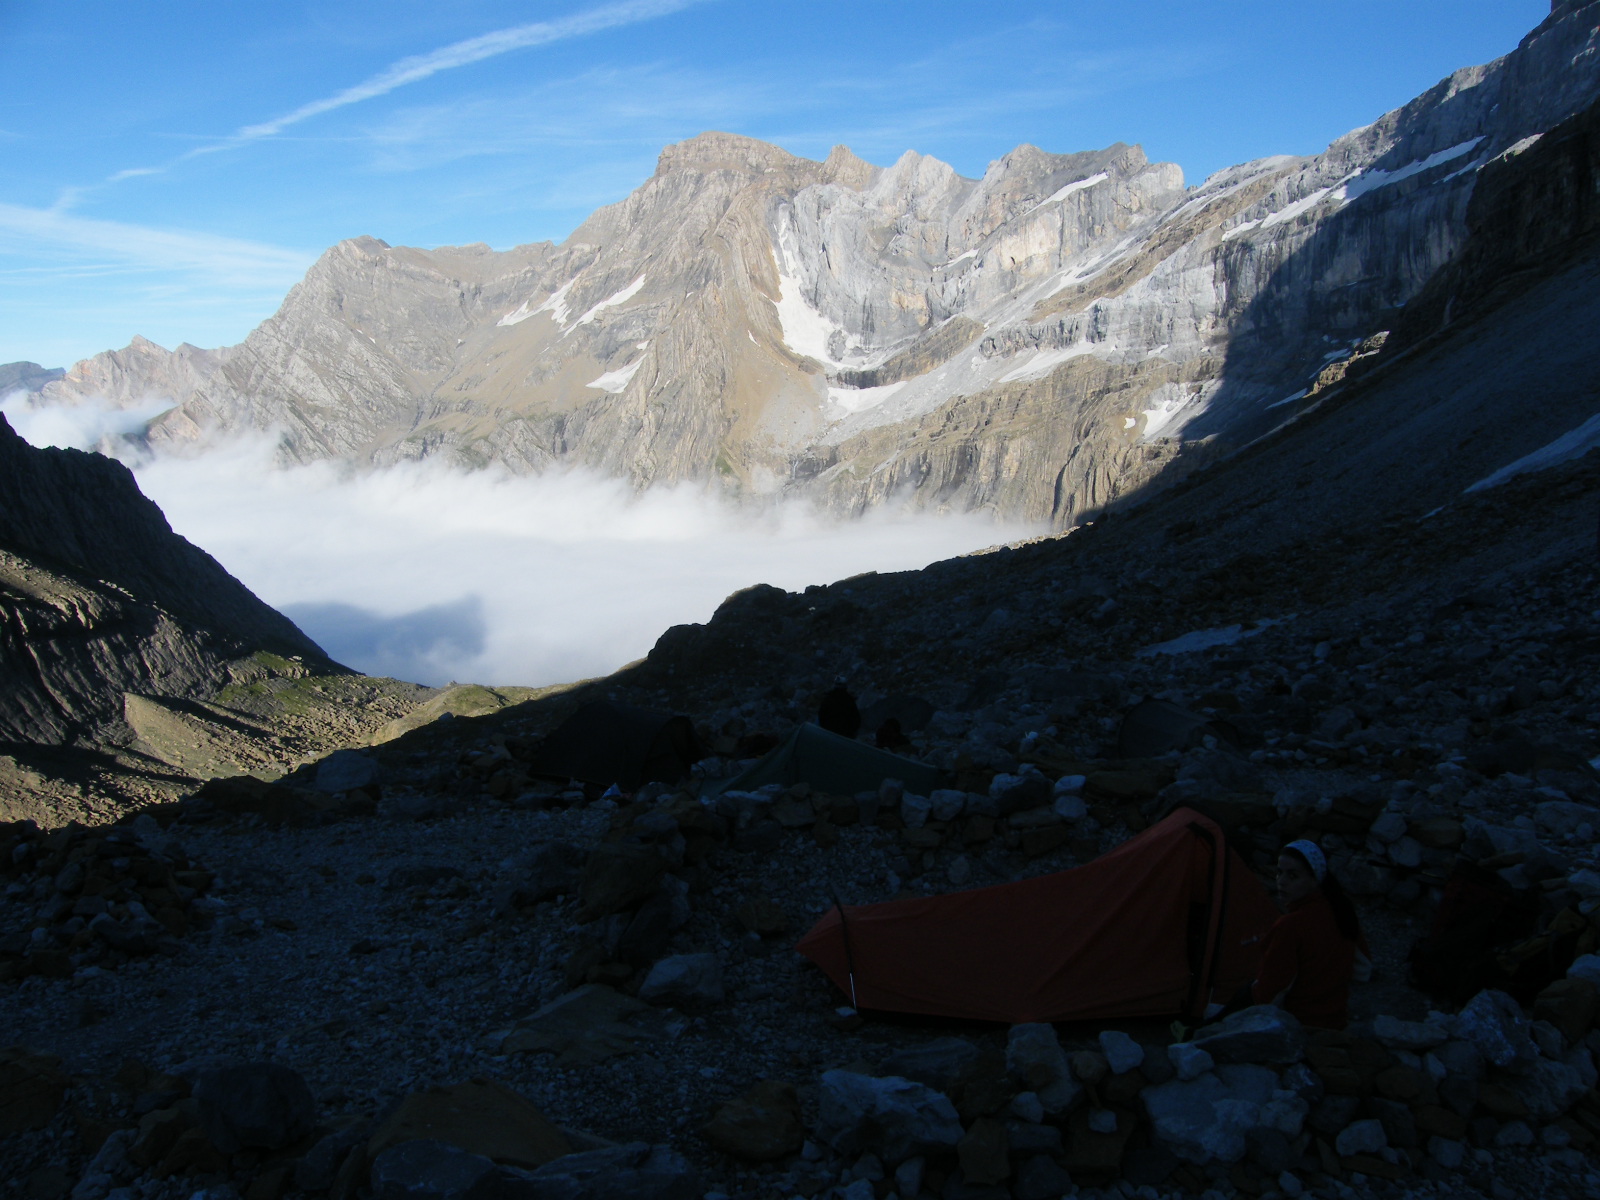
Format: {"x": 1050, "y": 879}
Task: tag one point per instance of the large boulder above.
{"x": 1570, "y": 1005}
{"x": 1263, "y": 1033}
{"x": 1206, "y": 1119}
{"x": 347, "y": 770}
{"x": 1493, "y": 1022}
{"x": 318, "y": 1170}
{"x": 261, "y": 1106}
{"x": 428, "y": 1170}
{"x": 482, "y": 1117}
{"x": 761, "y": 1125}
{"x": 1549, "y": 1088}
{"x": 1361, "y": 1137}
{"x": 548, "y": 869}
{"x": 635, "y": 1171}
{"x": 684, "y": 979}
{"x": 585, "y": 1026}
{"x": 892, "y": 1117}
{"x": 1122, "y": 1053}
{"x": 618, "y": 876}
{"x": 31, "y": 1090}
{"x": 938, "y": 1063}
{"x": 1035, "y": 1059}
{"x": 1415, "y": 1036}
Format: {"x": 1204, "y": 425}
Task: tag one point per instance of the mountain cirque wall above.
{"x": 1037, "y": 342}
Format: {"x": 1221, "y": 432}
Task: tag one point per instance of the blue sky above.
{"x": 171, "y": 168}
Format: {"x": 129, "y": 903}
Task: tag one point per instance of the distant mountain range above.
{"x": 1039, "y": 342}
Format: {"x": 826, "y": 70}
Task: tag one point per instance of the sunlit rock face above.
{"x": 1037, "y": 342}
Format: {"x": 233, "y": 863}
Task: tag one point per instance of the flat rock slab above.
{"x": 760, "y": 1126}
{"x": 1264, "y": 1033}
{"x": 482, "y": 1117}
{"x": 635, "y": 1171}
{"x": 586, "y": 1026}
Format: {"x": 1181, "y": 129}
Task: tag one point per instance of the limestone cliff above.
{"x": 1037, "y": 342}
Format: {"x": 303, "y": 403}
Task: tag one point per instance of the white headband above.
{"x": 1313, "y": 855}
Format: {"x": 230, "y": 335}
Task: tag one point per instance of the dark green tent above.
{"x": 830, "y": 763}
{"x": 604, "y": 743}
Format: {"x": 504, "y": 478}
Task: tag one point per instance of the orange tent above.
{"x": 1167, "y": 922}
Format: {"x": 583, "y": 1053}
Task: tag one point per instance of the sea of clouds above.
{"x": 433, "y": 574}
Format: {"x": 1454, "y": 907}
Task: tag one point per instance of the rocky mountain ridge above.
{"x": 1037, "y": 342}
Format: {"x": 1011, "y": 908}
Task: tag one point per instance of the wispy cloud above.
{"x": 414, "y": 69}
{"x": 460, "y": 54}
{"x": 34, "y": 230}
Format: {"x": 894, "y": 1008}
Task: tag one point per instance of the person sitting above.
{"x": 838, "y": 712}
{"x": 1312, "y": 952}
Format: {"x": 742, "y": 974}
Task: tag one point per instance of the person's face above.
{"x": 1295, "y": 880}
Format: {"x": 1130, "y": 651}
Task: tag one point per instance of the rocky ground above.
{"x": 618, "y": 972}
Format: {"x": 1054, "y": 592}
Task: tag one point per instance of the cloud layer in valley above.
{"x": 431, "y": 574}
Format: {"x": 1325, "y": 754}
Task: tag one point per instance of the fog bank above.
{"x": 433, "y": 574}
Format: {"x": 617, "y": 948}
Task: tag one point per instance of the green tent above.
{"x": 830, "y": 763}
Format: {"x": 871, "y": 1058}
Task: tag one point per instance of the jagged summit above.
{"x": 713, "y": 151}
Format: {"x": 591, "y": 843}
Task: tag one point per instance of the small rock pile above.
{"x": 1254, "y": 1103}
{"x": 81, "y": 897}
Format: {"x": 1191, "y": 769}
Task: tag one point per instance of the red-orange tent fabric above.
{"x": 1170, "y": 920}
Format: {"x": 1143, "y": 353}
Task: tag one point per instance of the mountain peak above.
{"x": 713, "y": 151}
{"x": 845, "y": 168}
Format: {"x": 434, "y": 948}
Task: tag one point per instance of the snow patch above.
{"x": 1129, "y": 422}
{"x": 1041, "y": 362}
{"x": 1300, "y": 395}
{"x": 1173, "y": 407}
{"x": 611, "y": 301}
{"x": 1303, "y": 205}
{"x": 805, "y": 330}
{"x": 854, "y": 400}
{"x": 555, "y": 304}
{"x": 1062, "y": 193}
{"x": 1575, "y": 443}
{"x": 1370, "y": 181}
{"x": 1205, "y": 639}
{"x": 615, "y": 381}
{"x": 1088, "y": 270}
{"x": 958, "y": 258}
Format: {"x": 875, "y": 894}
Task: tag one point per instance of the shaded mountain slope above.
{"x": 131, "y": 661}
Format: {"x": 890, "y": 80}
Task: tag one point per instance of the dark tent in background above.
{"x": 913, "y": 713}
{"x": 604, "y": 743}
{"x": 1167, "y": 922}
{"x": 830, "y": 763}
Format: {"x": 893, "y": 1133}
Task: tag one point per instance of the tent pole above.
{"x": 849, "y": 957}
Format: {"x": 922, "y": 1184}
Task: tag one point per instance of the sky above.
{"x": 171, "y": 168}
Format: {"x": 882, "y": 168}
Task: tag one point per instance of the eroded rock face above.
{"x": 1038, "y": 341}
